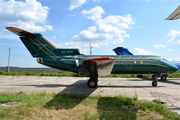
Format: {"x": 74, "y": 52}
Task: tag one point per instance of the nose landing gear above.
{"x": 154, "y": 83}
{"x": 154, "y": 77}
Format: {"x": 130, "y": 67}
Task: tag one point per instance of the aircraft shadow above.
{"x": 159, "y": 80}
{"x": 67, "y": 98}
{"x": 104, "y": 86}
{"x": 81, "y": 85}
{"x": 107, "y": 107}
{"x": 170, "y": 82}
{"x": 140, "y": 79}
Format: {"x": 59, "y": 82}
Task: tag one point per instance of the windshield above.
{"x": 162, "y": 59}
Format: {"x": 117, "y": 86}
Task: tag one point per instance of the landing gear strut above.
{"x": 154, "y": 77}
{"x": 92, "y": 82}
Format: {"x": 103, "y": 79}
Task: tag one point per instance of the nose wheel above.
{"x": 154, "y": 83}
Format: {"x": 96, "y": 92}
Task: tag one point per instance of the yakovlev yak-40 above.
{"x": 92, "y": 66}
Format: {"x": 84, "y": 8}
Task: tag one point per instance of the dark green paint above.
{"x": 66, "y": 59}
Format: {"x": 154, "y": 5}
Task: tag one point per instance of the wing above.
{"x": 97, "y": 67}
{"x": 174, "y": 15}
{"x": 19, "y": 32}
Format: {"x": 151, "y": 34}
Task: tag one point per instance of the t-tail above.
{"x": 39, "y": 46}
{"x": 122, "y": 51}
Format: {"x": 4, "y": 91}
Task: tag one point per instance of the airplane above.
{"x": 93, "y": 66}
{"x": 125, "y": 51}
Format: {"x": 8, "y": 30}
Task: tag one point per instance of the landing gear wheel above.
{"x": 154, "y": 77}
{"x": 163, "y": 77}
{"x": 92, "y": 83}
{"x": 154, "y": 83}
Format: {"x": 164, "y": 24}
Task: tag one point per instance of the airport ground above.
{"x": 168, "y": 92}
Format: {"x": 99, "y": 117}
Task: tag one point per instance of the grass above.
{"x": 68, "y": 74}
{"x": 71, "y": 106}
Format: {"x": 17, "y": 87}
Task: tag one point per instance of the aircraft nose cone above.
{"x": 174, "y": 68}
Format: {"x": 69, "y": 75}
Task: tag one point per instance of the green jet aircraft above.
{"x": 92, "y": 66}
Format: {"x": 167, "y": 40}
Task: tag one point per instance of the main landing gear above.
{"x": 154, "y": 77}
{"x": 92, "y": 82}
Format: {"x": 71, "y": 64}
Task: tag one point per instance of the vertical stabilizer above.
{"x": 37, "y": 44}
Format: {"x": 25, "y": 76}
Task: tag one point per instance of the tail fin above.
{"x": 122, "y": 51}
{"x": 37, "y": 44}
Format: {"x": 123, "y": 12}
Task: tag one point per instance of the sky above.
{"x": 138, "y": 25}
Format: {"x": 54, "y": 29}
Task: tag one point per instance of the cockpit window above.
{"x": 162, "y": 59}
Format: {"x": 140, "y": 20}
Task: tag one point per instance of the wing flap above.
{"x": 19, "y": 32}
{"x": 97, "y": 67}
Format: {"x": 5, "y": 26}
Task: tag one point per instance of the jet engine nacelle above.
{"x": 68, "y": 62}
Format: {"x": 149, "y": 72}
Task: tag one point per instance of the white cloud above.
{"x": 110, "y": 30}
{"x": 49, "y": 27}
{"x": 173, "y": 59}
{"x": 25, "y": 14}
{"x": 96, "y": 0}
{"x": 83, "y": 47}
{"x": 11, "y": 36}
{"x": 159, "y": 46}
{"x": 140, "y": 51}
{"x": 169, "y": 50}
{"x": 94, "y": 13}
{"x": 76, "y": 3}
{"x": 117, "y": 41}
{"x": 173, "y": 36}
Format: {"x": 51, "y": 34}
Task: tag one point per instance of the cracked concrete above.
{"x": 167, "y": 92}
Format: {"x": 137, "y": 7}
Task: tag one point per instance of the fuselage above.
{"x": 136, "y": 64}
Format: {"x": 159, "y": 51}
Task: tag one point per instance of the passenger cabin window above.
{"x": 134, "y": 62}
{"x": 141, "y": 62}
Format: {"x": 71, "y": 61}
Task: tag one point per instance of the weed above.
{"x": 157, "y": 101}
{"x": 71, "y": 106}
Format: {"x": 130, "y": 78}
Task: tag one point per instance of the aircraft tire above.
{"x": 163, "y": 77}
{"x": 92, "y": 83}
{"x": 154, "y": 83}
{"x": 154, "y": 77}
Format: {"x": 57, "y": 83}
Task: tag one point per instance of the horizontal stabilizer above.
{"x": 19, "y": 32}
